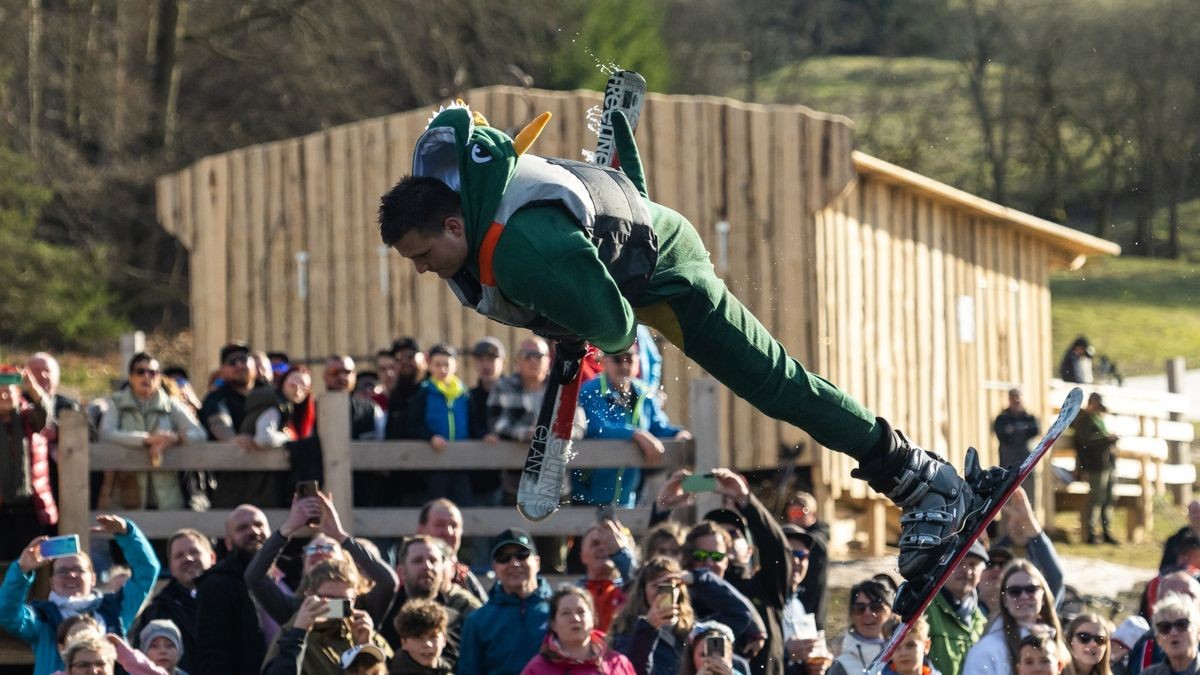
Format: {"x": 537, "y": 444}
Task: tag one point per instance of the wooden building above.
{"x": 923, "y": 301}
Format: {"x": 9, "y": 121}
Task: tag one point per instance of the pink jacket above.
{"x": 604, "y": 661}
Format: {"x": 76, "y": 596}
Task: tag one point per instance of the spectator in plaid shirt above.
{"x": 514, "y": 401}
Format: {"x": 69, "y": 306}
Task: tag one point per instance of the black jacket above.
{"x": 176, "y": 603}
{"x": 769, "y": 587}
{"x": 404, "y": 665}
{"x": 229, "y": 639}
{"x": 812, "y": 589}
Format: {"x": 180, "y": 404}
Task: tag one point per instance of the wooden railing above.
{"x": 1143, "y": 421}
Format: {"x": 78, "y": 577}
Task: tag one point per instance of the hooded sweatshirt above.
{"x": 603, "y": 661}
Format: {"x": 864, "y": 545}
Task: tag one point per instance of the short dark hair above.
{"x": 138, "y": 358}
{"x": 420, "y": 617}
{"x": 416, "y": 203}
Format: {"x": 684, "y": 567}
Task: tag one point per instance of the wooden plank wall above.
{"x": 858, "y": 280}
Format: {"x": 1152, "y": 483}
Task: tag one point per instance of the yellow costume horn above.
{"x": 530, "y": 133}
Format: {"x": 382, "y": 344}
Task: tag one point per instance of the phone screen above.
{"x": 701, "y": 483}
{"x": 57, "y": 547}
{"x": 714, "y": 645}
{"x": 339, "y": 608}
{"x": 307, "y": 488}
{"x": 665, "y": 595}
{"x": 9, "y": 378}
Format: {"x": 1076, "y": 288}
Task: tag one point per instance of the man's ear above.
{"x": 454, "y": 225}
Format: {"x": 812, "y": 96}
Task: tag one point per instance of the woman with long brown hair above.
{"x": 1025, "y": 602}
{"x": 1087, "y": 639}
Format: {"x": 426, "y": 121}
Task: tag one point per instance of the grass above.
{"x": 1137, "y": 311}
{"x": 1168, "y": 518}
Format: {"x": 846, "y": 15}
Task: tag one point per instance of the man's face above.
{"x": 422, "y": 571}
{"x": 336, "y": 590}
{"x": 189, "y": 559}
{"x": 44, "y": 373}
{"x": 163, "y": 653}
{"x": 386, "y": 366}
{"x": 963, "y": 580}
{"x": 1014, "y": 400}
{"x": 593, "y": 553}
{"x": 246, "y": 529}
{"x": 445, "y": 524}
{"x": 339, "y": 374}
{"x": 742, "y": 550}
{"x": 1180, "y": 639}
{"x": 533, "y": 361}
{"x": 799, "y": 562}
{"x": 425, "y": 649}
{"x": 442, "y": 253}
{"x": 488, "y": 368}
{"x": 618, "y": 368}
{"x": 239, "y": 370}
{"x": 710, "y": 547}
{"x": 442, "y": 366}
{"x": 517, "y": 569}
{"x": 409, "y": 362}
{"x": 73, "y": 576}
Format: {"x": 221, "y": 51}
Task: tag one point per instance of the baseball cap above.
{"x": 488, "y": 347}
{"x": 161, "y": 628}
{"x": 1130, "y": 630}
{"x": 1003, "y": 553}
{"x": 234, "y": 348}
{"x": 405, "y": 343}
{"x": 727, "y": 517}
{"x": 513, "y": 536}
{"x": 795, "y": 531}
{"x": 353, "y": 653}
{"x": 978, "y": 551}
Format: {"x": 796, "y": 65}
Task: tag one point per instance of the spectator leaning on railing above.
{"x": 73, "y": 591}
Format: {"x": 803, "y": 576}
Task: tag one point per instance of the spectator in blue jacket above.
{"x": 621, "y": 407}
{"x": 72, "y": 592}
{"x": 506, "y": 633}
{"x": 439, "y": 412}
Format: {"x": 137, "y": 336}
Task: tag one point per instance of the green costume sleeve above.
{"x": 544, "y": 261}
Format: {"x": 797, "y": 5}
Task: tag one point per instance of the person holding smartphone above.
{"x": 710, "y": 646}
{"x": 27, "y": 506}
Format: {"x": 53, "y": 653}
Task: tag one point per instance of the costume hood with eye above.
{"x": 495, "y": 178}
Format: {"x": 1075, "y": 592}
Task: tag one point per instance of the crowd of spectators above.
{"x": 742, "y": 589}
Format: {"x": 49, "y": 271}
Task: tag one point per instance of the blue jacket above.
{"x": 608, "y": 420}
{"x": 37, "y": 622}
{"x": 501, "y": 637}
{"x": 441, "y": 416}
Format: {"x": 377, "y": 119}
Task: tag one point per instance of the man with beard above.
{"x": 223, "y": 414}
{"x": 189, "y": 554}
{"x": 955, "y": 620}
{"x": 441, "y": 519}
{"x": 233, "y": 636}
{"x": 423, "y": 570}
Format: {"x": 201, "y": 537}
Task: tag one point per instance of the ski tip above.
{"x": 536, "y": 510}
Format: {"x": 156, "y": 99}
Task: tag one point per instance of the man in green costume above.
{"x": 577, "y": 251}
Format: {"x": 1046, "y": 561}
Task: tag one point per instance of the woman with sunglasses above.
{"x": 652, "y": 626}
{"x": 145, "y": 418}
{"x": 870, "y": 608}
{"x": 1025, "y": 603}
{"x": 1177, "y": 631}
{"x": 1088, "y": 638}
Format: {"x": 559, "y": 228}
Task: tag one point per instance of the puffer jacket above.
{"x": 604, "y": 661}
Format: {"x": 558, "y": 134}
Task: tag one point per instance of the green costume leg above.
{"x": 720, "y": 334}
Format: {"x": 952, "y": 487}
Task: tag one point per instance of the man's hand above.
{"x": 659, "y": 616}
{"x": 753, "y": 647}
{"x": 683, "y": 435}
{"x": 491, "y": 438}
{"x": 311, "y": 609}
{"x": 1019, "y": 519}
{"x": 672, "y": 496}
{"x": 733, "y": 486}
{"x": 31, "y": 558}
{"x": 361, "y": 627}
{"x": 439, "y": 443}
{"x": 304, "y": 509}
{"x": 245, "y": 442}
{"x": 331, "y": 524}
{"x": 613, "y": 539}
{"x": 652, "y": 448}
{"x": 107, "y": 523}
{"x": 31, "y": 387}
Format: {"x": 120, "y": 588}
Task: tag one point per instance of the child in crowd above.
{"x": 364, "y": 660}
{"x": 421, "y": 626}
{"x": 909, "y": 658}
{"x": 1039, "y": 653}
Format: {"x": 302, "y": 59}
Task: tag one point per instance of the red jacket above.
{"x": 604, "y": 661}
{"x": 39, "y": 467}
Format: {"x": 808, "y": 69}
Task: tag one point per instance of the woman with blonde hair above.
{"x": 1025, "y": 602}
{"x": 1087, "y": 638}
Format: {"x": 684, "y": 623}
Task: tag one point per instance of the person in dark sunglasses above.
{"x": 870, "y": 606}
{"x": 1026, "y": 603}
{"x": 1176, "y": 624}
{"x": 1088, "y": 639}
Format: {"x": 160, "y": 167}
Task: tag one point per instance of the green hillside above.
{"x": 1137, "y": 311}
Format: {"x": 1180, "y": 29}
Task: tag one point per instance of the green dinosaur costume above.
{"x": 570, "y": 248}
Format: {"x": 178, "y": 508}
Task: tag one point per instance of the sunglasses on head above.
{"x": 1087, "y": 638}
{"x": 876, "y": 607}
{"x": 1031, "y": 589}
{"x": 505, "y": 557}
{"x": 700, "y": 555}
{"x": 1164, "y": 627}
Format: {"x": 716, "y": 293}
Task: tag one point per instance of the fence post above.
{"x": 1177, "y": 452}
{"x": 333, "y": 426}
{"x": 705, "y": 425}
{"x": 73, "y": 484}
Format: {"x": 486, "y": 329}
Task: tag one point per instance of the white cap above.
{"x": 349, "y": 655}
{"x": 1130, "y": 630}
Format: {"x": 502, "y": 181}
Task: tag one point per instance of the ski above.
{"x": 625, "y": 91}
{"x": 994, "y": 487}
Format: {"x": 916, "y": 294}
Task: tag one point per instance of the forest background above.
{"x": 1079, "y": 111}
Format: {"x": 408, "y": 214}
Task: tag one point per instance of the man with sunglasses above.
{"x": 223, "y": 414}
{"x": 955, "y": 620}
{"x": 1176, "y": 628}
{"x": 501, "y": 637}
{"x": 1146, "y": 651}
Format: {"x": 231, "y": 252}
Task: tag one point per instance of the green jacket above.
{"x": 950, "y": 636}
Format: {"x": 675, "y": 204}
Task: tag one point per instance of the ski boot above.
{"x": 935, "y": 500}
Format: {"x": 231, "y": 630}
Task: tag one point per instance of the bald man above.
{"x": 232, "y": 636}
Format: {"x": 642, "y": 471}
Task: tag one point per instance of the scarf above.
{"x": 451, "y": 387}
{"x": 76, "y": 605}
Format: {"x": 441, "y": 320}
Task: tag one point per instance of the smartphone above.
{"x": 308, "y": 488}
{"x": 714, "y": 645}
{"x": 9, "y": 378}
{"x": 339, "y": 608}
{"x": 701, "y": 483}
{"x": 57, "y": 547}
{"x": 664, "y": 595}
